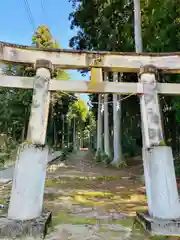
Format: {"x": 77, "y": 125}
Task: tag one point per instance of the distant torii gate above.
{"x": 28, "y": 186}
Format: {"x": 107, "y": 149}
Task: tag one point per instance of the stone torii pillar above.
{"x": 26, "y": 200}
{"x": 161, "y": 187}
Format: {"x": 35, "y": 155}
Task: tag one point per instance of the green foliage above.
{"x": 106, "y": 159}
{"x": 84, "y": 121}
{"x": 102, "y": 157}
{"x": 99, "y": 156}
{"x": 8, "y": 149}
{"x": 15, "y": 104}
{"x": 42, "y": 38}
{"x": 59, "y": 123}
{"x": 64, "y": 154}
{"x": 62, "y": 75}
{"x": 176, "y": 107}
{"x": 109, "y": 25}
{"x": 162, "y": 143}
{"x": 79, "y": 110}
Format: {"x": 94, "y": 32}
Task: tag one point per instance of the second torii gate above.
{"x": 162, "y": 194}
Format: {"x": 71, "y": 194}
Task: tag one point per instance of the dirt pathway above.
{"x": 89, "y": 201}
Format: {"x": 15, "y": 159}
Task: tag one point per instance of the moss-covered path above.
{"x": 93, "y": 202}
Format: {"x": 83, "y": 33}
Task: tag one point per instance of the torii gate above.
{"x": 28, "y": 186}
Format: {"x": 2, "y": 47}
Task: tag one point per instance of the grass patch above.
{"x": 55, "y": 182}
{"x": 95, "y": 194}
{"x": 2, "y": 201}
{"x": 84, "y": 201}
{"x": 51, "y": 182}
{"x": 66, "y": 218}
{"x": 160, "y": 238}
{"x": 92, "y": 198}
{"x": 69, "y": 183}
{"x": 128, "y": 203}
{"x": 126, "y": 222}
{"x": 108, "y": 178}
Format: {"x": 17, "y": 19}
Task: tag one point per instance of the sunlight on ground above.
{"x": 97, "y": 200}
{"x": 127, "y": 202}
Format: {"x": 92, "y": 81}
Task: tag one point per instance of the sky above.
{"x": 16, "y": 27}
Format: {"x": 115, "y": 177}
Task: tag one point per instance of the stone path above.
{"x": 91, "y": 202}
{"x": 94, "y": 202}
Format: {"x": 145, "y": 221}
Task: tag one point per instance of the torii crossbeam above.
{"x": 160, "y": 179}
{"x": 108, "y": 61}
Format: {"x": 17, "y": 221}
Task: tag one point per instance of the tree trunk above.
{"x": 62, "y": 131}
{"x": 145, "y": 154}
{"x": 117, "y": 123}
{"x": 99, "y": 124}
{"x": 106, "y": 121}
{"x": 23, "y": 132}
{"x": 74, "y": 134}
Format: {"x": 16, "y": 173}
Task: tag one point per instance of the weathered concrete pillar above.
{"x": 30, "y": 168}
{"x": 106, "y": 121}
{"x": 159, "y": 171}
{"x": 99, "y": 124}
{"x": 165, "y": 199}
{"x": 117, "y": 123}
{"x": 147, "y": 176}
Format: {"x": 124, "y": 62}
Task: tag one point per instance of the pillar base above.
{"x": 27, "y": 193}
{"x": 161, "y": 227}
{"x": 29, "y": 229}
{"x": 162, "y": 194}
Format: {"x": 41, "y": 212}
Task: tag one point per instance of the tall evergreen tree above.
{"x": 108, "y": 25}
{"x": 15, "y": 104}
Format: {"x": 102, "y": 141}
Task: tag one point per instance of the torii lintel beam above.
{"x": 78, "y": 86}
{"x": 70, "y": 59}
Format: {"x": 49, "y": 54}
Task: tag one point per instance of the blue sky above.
{"x": 15, "y": 26}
